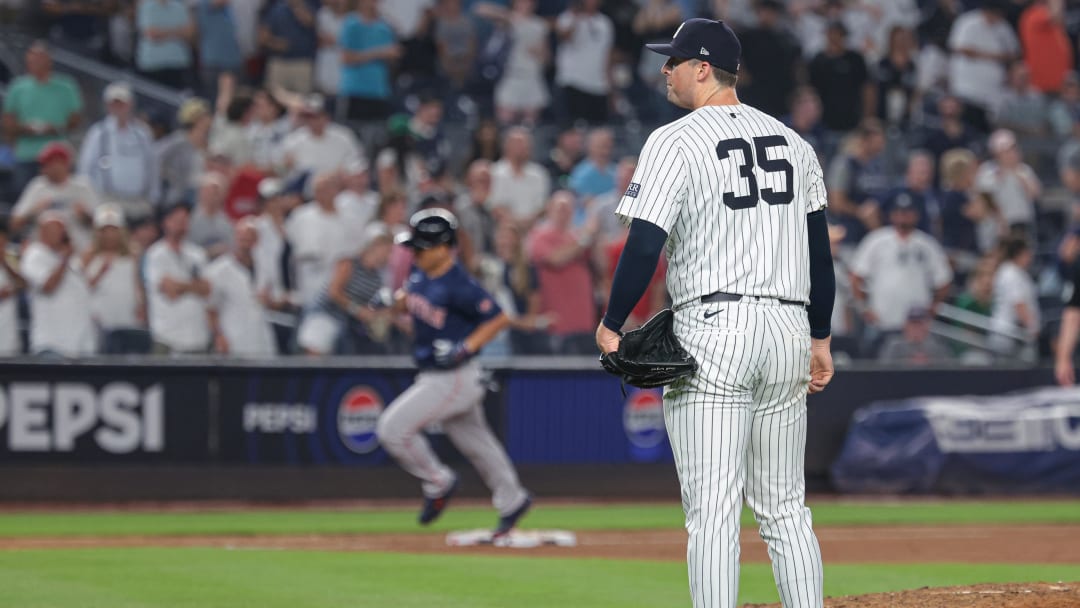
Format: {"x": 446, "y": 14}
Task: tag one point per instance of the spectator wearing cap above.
{"x": 842, "y": 81}
{"x": 176, "y": 288}
{"x": 117, "y": 156}
{"x": 919, "y": 187}
{"x": 561, "y": 256}
{"x": 319, "y": 145}
{"x": 113, "y": 278}
{"x": 1048, "y": 51}
{"x": 181, "y": 154}
{"x": 1016, "y": 299}
{"x": 218, "y": 43}
{"x": 11, "y": 285}
{"x": 982, "y": 44}
{"x": 288, "y": 35}
{"x": 595, "y": 174}
{"x": 857, "y": 181}
{"x": 272, "y": 254}
{"x": 916, "y": 345}
{"x": 519, "y": 186}
{"x": 60, "y": 322}
{"x": 368, "y": 46}
{"x": 40, "y": 107}
{"x": 770, "y": 59}
{"x": 357, "y": 202}
{"x": 210, "y": 228}
{"x": 1011, "y": 182}
{"x": 317, "y": 236}
{"x": 471, "y": 206}
{"x": 239, "y": 299}
{"x": 897, "y": 268}
{"x": 583, "y": 60}
{"x": 57, "y": 189}
{"x": 166, "y": 30}
{"x": 353, "y": 300}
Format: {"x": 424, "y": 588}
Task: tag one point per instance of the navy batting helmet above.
{"x": 430, "y": 227}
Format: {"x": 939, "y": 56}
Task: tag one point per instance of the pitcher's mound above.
{"x": 1005, "y": 595}
{"x": 516, "y": 539}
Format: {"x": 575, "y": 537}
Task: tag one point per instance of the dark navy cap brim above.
{"x": 670, "y": 51}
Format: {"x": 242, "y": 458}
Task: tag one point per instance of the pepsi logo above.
{"x": 643, "y": 418}
{"x": 358, "y": 414}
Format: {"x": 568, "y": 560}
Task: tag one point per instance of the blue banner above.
{"x": 582, "y": 418}
{"x": 1018, "y": 443}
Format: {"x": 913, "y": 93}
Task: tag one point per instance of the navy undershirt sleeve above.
{"x": 636, "y": 267}
{"x": 822, "y": 277}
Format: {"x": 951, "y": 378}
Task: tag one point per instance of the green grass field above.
{"x": 204, "y": 578}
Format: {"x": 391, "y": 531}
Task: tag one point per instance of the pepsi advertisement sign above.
{"x": 307, "y": 417}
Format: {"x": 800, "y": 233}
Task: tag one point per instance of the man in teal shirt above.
{"x": 40, "y": 107}
{"x": 368, "y": 45}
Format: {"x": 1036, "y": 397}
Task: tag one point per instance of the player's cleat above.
{"x": 433, "y": 507}
{"x": 507, "y": 522}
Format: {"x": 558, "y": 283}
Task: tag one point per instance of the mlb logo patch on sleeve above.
{"x": 633, "y": 190}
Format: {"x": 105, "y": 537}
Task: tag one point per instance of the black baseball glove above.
{"x": 650, "y": 355}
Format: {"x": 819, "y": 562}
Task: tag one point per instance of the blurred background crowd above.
{"x": 251, "y": 209}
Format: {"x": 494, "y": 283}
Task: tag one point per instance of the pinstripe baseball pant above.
{"x": 738, "y": 429}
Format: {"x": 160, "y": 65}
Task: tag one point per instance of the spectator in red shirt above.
{"x": 561, "y": 256}
{"x": 1047, "y": 50}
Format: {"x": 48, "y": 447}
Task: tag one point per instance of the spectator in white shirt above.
{"x": 358, "y": 203}
{"x": 57, "y": 189}
{"x": 113, "y": 278}
{"x": 583, "y": 58}
{"x": 59, "y": 316}
{"x": 1011, "y": 182}
{"x": 117, "y": 156}
{"x": 272, "y": 258}
{"x": 328, "y": 23}
{"x": 11, "y": 283}
{"x": 317, "y": 235}
{"x": 176, "y": 289}
{"x": 269, "y": 126}
{"x": 319, "y": 145}
{"x": 210, "y": 228}
{"x": 238, "y": 299}
{"x": 897, "y": 268}
{"x": 519, "y": 186}
{"x": 982, "y": 44}
{"x": 1015, "y": 300}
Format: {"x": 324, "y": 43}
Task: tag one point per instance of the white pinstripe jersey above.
{"x": 731, "y": 186}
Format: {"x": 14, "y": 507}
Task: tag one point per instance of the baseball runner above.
{"x": 453, "y": 318}
{"x": 738, "y": 200}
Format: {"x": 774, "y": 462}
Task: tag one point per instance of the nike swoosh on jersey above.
{"x": 714, "y": 313}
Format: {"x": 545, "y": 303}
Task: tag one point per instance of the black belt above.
{"x": 720, "y": 296}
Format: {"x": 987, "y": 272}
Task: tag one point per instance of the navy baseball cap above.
{"x": 706, "y": 40}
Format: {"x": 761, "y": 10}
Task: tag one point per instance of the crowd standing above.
{"x": 259, "y": 218}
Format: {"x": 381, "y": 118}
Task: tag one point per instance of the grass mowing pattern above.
{"x": 573, "y": 517}
{"x": 211, "y": 578}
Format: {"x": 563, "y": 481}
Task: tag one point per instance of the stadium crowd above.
{"x": 260, "y": 218}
